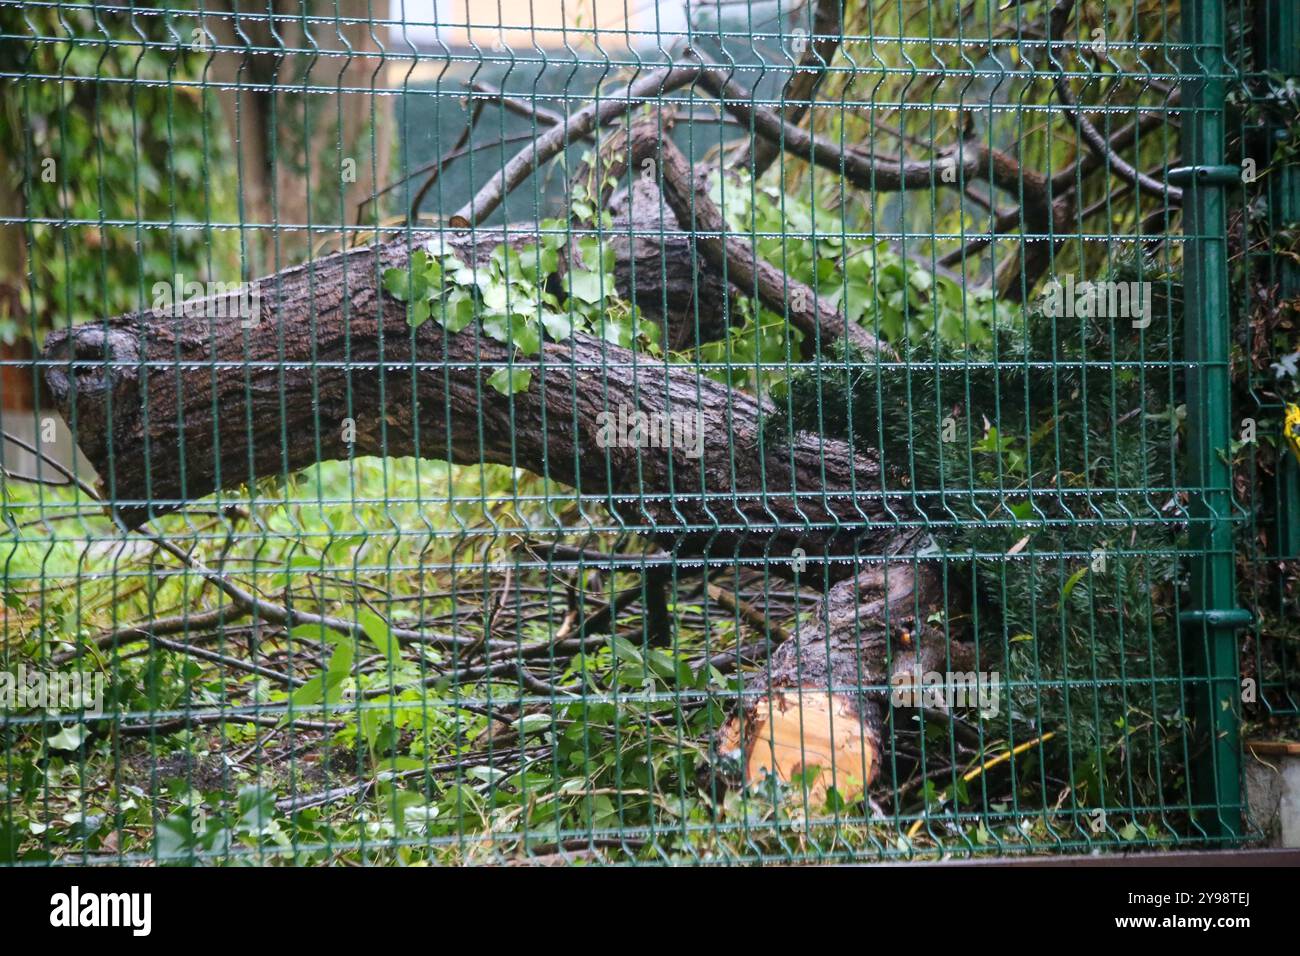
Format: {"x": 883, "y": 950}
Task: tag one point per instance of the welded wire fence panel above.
{"x": 713, "y": 432}
{"x": 1267, "y": 279}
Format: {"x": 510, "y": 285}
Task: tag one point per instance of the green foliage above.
{"x": 152, "y": 151}
{"x": 895, "y": 297}
{"x": 518, "y": 297}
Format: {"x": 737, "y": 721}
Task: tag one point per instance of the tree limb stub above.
{"x": 817, "y": 710}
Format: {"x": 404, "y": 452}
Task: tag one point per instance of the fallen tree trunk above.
{"x": 171, "y": 408}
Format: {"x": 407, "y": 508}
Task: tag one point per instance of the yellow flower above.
{"x": 1291, "y": 429}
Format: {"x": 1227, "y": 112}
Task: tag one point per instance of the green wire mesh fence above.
{"x": 1266, "y": 277}
{"x": 703, "y": 432}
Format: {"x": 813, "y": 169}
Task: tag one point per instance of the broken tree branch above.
{"x": 1107, "y": 156}
{"x": 170, "y": 408}
{"x": 577, "y": 125}
{"x": 1057, "y": 18}
{"x": 1037, "y": 216}
{"x": 759, "y": 153}
{"x": 688, "y": 197}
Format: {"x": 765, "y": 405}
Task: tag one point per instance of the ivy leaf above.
{"x": 533, "y": 263}
{"x": 417, "y": 313}
{"x": 434, "y": 274}
{"x": 497, "y": 326}
{"x": 514, "y": 329}
{"x": 409, "y": 285}
{"x": 650, "y": 331}
{"x": 419, "y": 261}
{"x": 505, "y": 262}
{"x": 616, "y": 332}
{"x": 526, "y": 336}
{"x": 587, "y": 286}
{"x": 554, "y": 232}
{"x": 558, "y": 327}
{"x": 495, "y": 294}
{"x": 458, "y": 311}
{"x": 467, "y": 277}
{"x": 597, "y": 255}
{"x": 508, "y": 381}
{"x": 69, "y": 738}
{"x": 550, "y": 261}
{"x": 859, "y": 296}
{"x": 396, "y": 284}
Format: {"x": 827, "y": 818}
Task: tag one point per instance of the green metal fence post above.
{"x": 1208, "y": 627}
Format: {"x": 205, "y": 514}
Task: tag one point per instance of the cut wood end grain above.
{"x": 789, "y": 732}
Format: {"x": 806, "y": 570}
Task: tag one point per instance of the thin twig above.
{"x": 1099, "y": 145}
{"x": 518, "y": 106}
{"x": 438, "y": 167}
{"x": 755, "y": 618}
{"x": 262, "y": 720}
{"x": 148, "y": 630}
